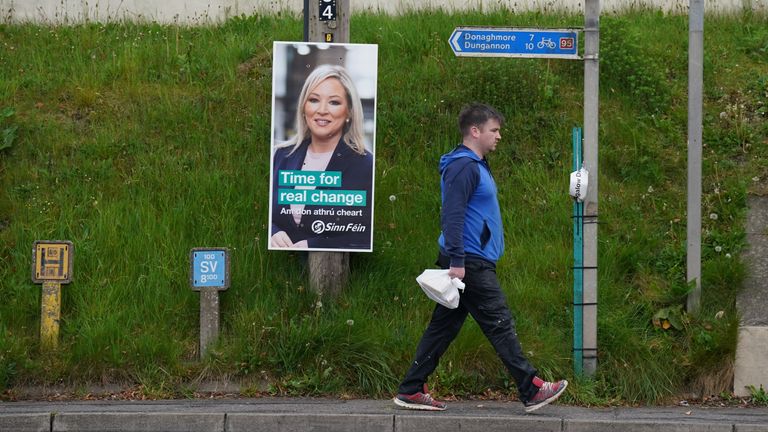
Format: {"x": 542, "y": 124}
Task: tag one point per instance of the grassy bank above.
{"x": 140, "y": 142}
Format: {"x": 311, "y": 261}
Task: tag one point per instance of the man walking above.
{"x": 471, "y": 241}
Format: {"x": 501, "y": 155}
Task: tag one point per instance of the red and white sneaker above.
{"x": 548, "y": 392}
{"x": 419, "y": 401}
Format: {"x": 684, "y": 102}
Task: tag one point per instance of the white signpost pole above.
{"x": 695, "y": 89}
{"x": 591, "y": 99}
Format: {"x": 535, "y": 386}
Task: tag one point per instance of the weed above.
{"x": 759, "y": 396}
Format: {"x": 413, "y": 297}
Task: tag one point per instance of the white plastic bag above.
{"x": 438, "y": 286}
{"x": 579, "y": 184}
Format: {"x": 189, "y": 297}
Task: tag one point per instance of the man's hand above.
{"x": 456, "y": 272}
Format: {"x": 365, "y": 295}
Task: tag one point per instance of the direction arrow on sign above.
{"x": 515, "y": 42}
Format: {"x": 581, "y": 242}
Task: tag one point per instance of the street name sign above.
{"x": 515, "y": 42}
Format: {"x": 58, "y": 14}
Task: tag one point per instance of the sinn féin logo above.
{"x": 319, "y": 227}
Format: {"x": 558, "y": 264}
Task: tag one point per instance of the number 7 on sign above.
{"x": 327, "y": 10}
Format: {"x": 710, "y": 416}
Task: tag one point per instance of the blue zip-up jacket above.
{"x": 470, "y": 218}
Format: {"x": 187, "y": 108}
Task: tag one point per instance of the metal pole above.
{"x": 591, "y": 99}
{"x": 306, "y": 20}
{"x": 695, "y": 86}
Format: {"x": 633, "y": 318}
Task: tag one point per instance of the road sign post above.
{"x": 209, "y": 275}
{"x": 591, "y": 104}
{"x": 52, "y": 266}
{"x": 563, "y": 44}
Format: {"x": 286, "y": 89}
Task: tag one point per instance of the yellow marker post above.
{"x": 51, "y": 266}
{"x": 50, "y": 315}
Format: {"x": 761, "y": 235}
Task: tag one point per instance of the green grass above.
{"x": 139, "y": 142}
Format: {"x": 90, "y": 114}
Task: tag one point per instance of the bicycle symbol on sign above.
{"x": 546, "y": 43}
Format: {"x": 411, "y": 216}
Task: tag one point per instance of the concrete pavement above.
{"x": 333, "y": 415}
{"x": 752, "y": 302}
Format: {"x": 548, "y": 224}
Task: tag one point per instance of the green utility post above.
{"x": 578, "y": 266}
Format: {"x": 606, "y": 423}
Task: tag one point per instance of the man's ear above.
{"x": 474, "y": 131}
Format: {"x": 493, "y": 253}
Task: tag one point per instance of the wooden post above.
{"x": 328, "y": 272}
{"x": 327, "y": 21}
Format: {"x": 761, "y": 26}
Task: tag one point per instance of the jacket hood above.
{"x": 459, "y": 152}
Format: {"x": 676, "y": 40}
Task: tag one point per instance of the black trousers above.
{"x": 484, "y": 300}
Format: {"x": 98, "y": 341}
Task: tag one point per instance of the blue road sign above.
{"x": 210, "y": 268}
{"x": 515, "y": 42}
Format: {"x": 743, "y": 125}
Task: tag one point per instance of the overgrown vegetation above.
{"x": 759, "y": 396}
{"x": 140, "y": 141}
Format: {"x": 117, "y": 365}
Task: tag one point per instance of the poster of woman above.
{"x": 323, "y": 146}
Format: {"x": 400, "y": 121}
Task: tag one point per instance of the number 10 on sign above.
{"x": 327, "y": 10}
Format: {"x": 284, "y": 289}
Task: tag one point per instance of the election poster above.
{"x": 323, "y": 146}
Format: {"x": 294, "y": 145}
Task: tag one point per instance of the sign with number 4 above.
{"x": 327, "y": 10}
